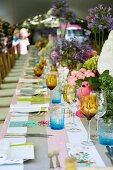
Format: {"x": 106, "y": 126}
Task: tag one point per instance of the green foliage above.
{"x": 106, "y": 81}
{"x": 106, "y": 84}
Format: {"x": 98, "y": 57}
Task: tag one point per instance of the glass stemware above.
{"x": 89, "y": 107}
{"x": 102, "y": 107}
{"x": 38, "y": 71}
{"x": 51, "y": 81}
{"x": 69, "y": 97}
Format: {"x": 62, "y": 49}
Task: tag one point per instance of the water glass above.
{"x": 55, "y": 95}
{"x": 106, "y": 132}
{"x": 57, "y": 117}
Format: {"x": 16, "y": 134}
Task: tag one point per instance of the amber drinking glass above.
{"x": 51, "y": 81}
{"x": 89, "y": 108}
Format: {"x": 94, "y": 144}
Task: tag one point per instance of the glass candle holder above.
{"x": 70, "y": 163}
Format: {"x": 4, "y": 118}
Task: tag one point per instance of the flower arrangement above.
{"x": 71, "y": 53}
{"x": 102, "y": 82}
{"x": 99, "y": 20}
{"x": 82, "y": 74}
{"x": 62, "y": 10}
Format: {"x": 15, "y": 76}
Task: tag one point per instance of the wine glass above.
{"x": 89, "y": 108}
{"x": 102, "y": 107}
{"x": 51, "y": 81}
{"x": 69, "y": 97}
{"x": 38, "y": 71}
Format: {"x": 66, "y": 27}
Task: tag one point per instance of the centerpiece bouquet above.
{"x": 87, "y": 81}
{"x": 62, "y": 10}
{"x": 100, "y": 21}
{"x": 71, "y": 54}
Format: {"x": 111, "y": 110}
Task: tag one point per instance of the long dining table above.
{"x": 28, "y": 122}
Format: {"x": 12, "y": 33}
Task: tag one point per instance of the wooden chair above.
{"x": 3, "y": 113}
{"x": 0, "y": 74}
{"x": 5, "y": 63}
{"x": 11, "y": 57}
{"x": 2, "y": 67}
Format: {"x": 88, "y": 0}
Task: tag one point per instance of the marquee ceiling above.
{"x": 15, "y": 11}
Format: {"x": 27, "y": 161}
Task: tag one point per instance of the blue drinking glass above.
{"x": 106, "y": 132}
{"x": 57, "y": 117}
{"x": 55, "y": 95}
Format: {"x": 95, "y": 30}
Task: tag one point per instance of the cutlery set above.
{"x": 39, "y": 113}
{"x": 51, "y": 155}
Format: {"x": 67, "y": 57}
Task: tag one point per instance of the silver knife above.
{"x": 10, "y": 135}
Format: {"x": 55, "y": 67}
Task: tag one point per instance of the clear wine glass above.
{"x": 69, "y": 97}
{"x": 102, "y": 107}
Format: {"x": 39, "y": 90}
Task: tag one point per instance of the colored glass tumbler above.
{"x": 106, "y": 132}
{"x": 57, "y": 117}
{"x": 55, "y": 95}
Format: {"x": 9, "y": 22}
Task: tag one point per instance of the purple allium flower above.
{"x": 62, "y": 10}
{"x": 71, "y": 52}
{"x": 100, "y": 18}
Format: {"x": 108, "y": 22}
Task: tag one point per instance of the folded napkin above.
{"x": 25, "y": 91}
{"x": 29, "y": 107}
{"x": 29, "y": 80}
{"x": 4, "y": 154}
{"x": 29, "y": 91}
{"x": 15, "y": 153}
